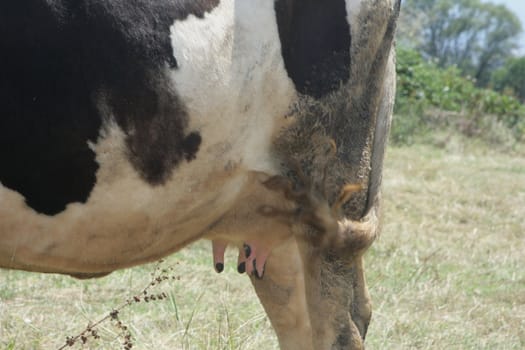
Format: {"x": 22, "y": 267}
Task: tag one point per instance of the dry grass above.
{"x": 447, "y": 273}
{"x": 204, "y": 310}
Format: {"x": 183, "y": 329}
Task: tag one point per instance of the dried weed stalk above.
{"x": 158, "y": 276}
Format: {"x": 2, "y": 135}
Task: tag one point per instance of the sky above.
{"x": 518, "y": 7}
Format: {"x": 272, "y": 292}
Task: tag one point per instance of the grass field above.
{"x": 447, "y": 273}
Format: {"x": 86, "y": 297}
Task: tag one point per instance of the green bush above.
{"x": 511, "y": 77}
{"x": 422, "y": 87}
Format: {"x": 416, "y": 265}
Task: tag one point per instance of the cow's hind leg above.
{"x": 282, "y": 295}
{"x": 361, "y": 309}
{"x": 281, "y": 292}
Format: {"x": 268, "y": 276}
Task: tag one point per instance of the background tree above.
{"x": 477, "y": 37}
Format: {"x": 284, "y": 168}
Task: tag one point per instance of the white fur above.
{"x": 232, "y": 78}
{"x": 353, "y": 9}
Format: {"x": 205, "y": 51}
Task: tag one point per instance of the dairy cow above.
{"x": 131, "y": 128}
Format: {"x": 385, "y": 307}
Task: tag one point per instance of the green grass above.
{"x": 447, "y": 273}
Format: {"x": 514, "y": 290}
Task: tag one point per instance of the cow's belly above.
{"x": 232, "y": 81}
{"x": 124, "y": 219}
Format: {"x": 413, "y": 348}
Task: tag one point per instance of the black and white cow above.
{"x": 130, "y": 128}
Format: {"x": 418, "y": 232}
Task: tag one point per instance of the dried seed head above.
{"x": 157, "y": 276}
{"x": 70, "y": 341}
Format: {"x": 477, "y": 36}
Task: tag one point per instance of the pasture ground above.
{"x": 447, "y": 273}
